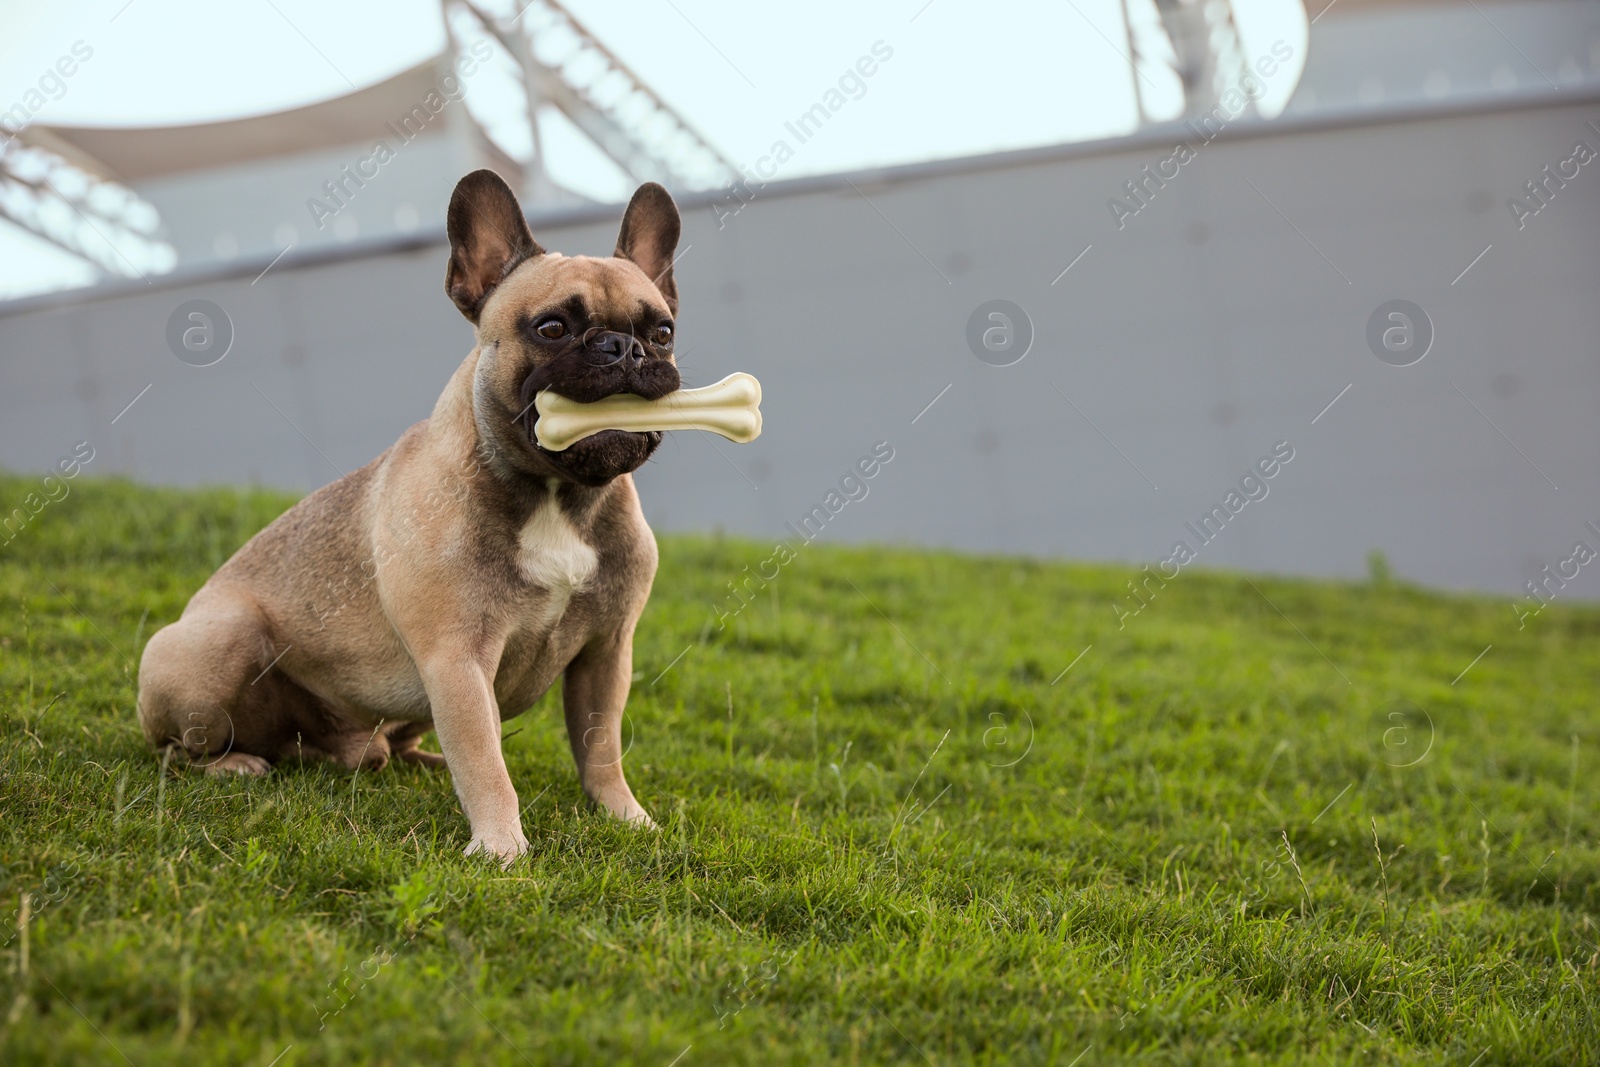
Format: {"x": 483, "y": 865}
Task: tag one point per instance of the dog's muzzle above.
{"x": 597, "y": 364}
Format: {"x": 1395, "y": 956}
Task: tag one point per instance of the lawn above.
{"x": 1265, "y": 820}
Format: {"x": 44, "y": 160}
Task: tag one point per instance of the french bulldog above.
{"x": 448, "y": 583}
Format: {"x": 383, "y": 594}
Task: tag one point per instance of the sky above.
{"x": 963, "y": 77}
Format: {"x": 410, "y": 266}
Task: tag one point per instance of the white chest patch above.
{"x": 552, "y": 555}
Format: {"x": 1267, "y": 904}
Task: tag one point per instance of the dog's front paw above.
{"x": 637, "y": 816}
{"x": 505, "y": 845}
{"x": 421, "y": 758}
{"x": 618, "y": 801}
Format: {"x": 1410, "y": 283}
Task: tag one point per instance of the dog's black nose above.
{"x": 611, "y": 347}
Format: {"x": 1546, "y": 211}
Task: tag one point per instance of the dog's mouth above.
{"x": 597, "y": 441}
{"x": 600, "y": 457}
{"x": 593, "y": 369}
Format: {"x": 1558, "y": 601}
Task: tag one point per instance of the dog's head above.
{"x": 581, "y": 326}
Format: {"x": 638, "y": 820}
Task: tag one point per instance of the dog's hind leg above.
{"x": 404, "y": 741}
{"x": 195, "y": 684}
{"x": 352, "y": 749}
{"x": 237, "y": 763}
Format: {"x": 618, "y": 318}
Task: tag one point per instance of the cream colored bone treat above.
{"x": 731, "y": 407}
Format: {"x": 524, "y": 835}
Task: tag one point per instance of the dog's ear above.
{"x": 649, "y": 237}
{"x": 488, "y": 238}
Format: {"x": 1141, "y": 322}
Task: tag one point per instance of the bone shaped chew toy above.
{"x": 731, "y": 407}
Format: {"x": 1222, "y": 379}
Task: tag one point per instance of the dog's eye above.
{"x": 551, "y": 329}
{"x": 662, "y": 335}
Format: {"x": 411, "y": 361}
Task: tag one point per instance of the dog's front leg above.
{"x": 594, "y": 694}
{"x": 467, "y": 720}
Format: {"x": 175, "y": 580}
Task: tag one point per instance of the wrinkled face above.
{"x": 584, "y": 328}
{"x": 581, "y": 326}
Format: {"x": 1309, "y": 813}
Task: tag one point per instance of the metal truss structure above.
{"x": 565, "y": 66}
{"x": 81, "y": 212}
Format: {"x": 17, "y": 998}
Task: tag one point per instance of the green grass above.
{"x": 1183, "y": 867}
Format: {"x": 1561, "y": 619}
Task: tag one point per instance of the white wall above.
{"x": 1214, "y": 324}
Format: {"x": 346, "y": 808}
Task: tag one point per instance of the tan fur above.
{"x": 447, "y": 584}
